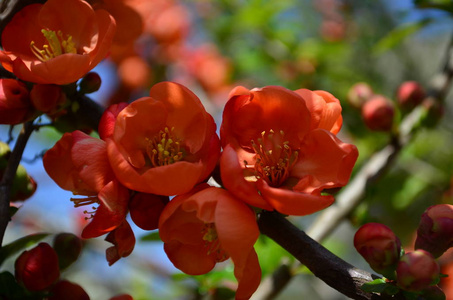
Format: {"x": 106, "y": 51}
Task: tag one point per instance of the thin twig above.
{"x": 9, "y": 174}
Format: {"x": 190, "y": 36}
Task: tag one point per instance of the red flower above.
{"x": 37, "y": 268}
{"x": 280, "y": 151}
{"x": 206, "y": 226}
{"x": 57, "y": 42}
{"x": 164, "y": 144}
{"x": 79, "y": 163}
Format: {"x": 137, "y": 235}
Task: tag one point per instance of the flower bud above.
{"x": 90, "y": 83}
{"x": 416, "y": 271}
{"x": 122, "y": 297}
{"x": 68, "y": 248}
{"x": 67, "y": 290}
{"x": 24, "y": 186}
{"x": 359, "y": 93}
{"x": 108, "y": 119}
{"x": 410, "y": 94}
{"x": 379, "y": 246}
{"x": 145, "y": 210}
{"x": 37, "y": 268}
{"x": 378, "y": 113}
{"x": 15, "y": 105}
{"x": 47, "y": 98}
{"x": 435, "y": 231}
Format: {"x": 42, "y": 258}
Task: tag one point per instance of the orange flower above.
{"x": 79, "y": 163}
{"x": 206, "y": 226}
{"x": 164, "y": 144}
{"x": 57, "y": 42}
{"x": 280, "y": 151}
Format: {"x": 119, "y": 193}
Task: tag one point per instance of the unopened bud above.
{"x": 359, "y": 93}
{"x": 410, "y": 94}
{"x": 108, "y": 119}
{"x": 15, "y": 105}
{"x": 378, "y": 113}
{"x": 379, "y": 246}
{"x": 67, "y": 290}
{"x": 145, "y": 210}
{"x": 24, "y": 186}
{"x": 435, "y": 231}
{"x": 68, "y": 248}
{"x": 90, "y": 83}
{"x": 416, "y": 271}
{"x": 37, "y": 269}
{"x": 47, "y": 98}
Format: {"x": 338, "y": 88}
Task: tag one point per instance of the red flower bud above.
{"x": 47, "y": 98}
{"x": 379, "y": 246}
{"x": 435, "y": 231}
{"x": 145, "y": 210}
{"x": 107, "y": 122}
{"x": 417, "y": 270}
{"x": 410, "y": 94}
{"x": 15, "y": 105}
{"x": 378, "y": 113}
{"x": 90, "y": 83}
{"x": 37, "y": 268}
{"x": 359, "y": 93}
{"x": 68, "y": 247}
{"x": 68, "y": 291}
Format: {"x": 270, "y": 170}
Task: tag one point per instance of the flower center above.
{"x": 89, "y": 200}
{"x": 164, "y": 149}
{"x": 57, "y": 45}
{"x": 274, "y": 158}
{"x": 212, "y": 242}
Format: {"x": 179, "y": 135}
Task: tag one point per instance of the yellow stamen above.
{"x": 164, "y": 148}
{"x": 57, "y": 45}
{"x": 274, "y": 159}
{"x": 212, "y": 242}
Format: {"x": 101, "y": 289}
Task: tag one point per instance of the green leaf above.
{"x": 13, "y": 210}
{"x": 10, "y": 289}
{"x": 151, "y": 237}
{"x": 395, "y": 36}
{"x": 446, "y": 5}
{"x": 375, "y": 286}
{"x": 18, "y": 245}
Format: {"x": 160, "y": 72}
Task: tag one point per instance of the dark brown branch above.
{"x": 10, "y": 173}
{"x": 331, "y": 269}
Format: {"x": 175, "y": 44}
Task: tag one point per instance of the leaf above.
{"x": 151, "y": 237}
{"x": 446, "y": 5}
{"x": 395, "y": 36}
{"x": 10, "y": 289}
{"x": 19, "y": 244}
{"x": 375, "y": 286}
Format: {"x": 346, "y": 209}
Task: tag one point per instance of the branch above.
{"x": 331, "y": 269}
{"x": 10, "y": 173}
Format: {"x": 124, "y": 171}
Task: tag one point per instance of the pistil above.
{"x": 57, "y": 45}
{"x": 164, "y": 149}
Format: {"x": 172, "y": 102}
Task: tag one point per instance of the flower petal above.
{"x": 293, "y": 202}
{"x": 326, "y": 160}
{"x": 111, "y": 212}
{"x": 233, "y": 179}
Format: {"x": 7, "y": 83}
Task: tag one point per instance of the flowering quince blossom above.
{"x": 280, "y": 148}
{"x": 79, "y": 163}
{"x": 164, "y": 144}
{"x": 57, "y": 42}
{"x": 206, "y": 226}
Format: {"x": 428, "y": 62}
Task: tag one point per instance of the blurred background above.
{"x": 213, "y": 46}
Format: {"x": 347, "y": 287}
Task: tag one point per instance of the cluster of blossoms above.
{"x": 278, "y": 149}
{"x": 417, "y": 271}
{"x": 280, "y": 152}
